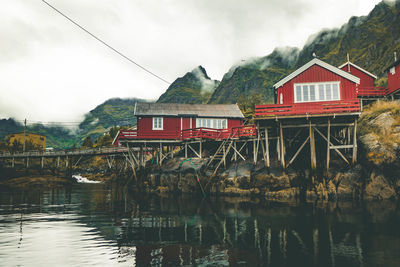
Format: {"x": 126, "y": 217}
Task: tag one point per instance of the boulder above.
{"x": 379, "y": 188}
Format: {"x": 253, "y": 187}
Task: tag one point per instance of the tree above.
{"x": 87, "y": 142}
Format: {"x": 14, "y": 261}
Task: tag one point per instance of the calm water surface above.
{"x": 94, "y": 224}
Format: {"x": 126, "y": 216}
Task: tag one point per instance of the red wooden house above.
{"x": 393, "y": 75}
{"x": 315, "y": 88}
{"x": 175, "y": 122}
{"x": 366, "y": 88}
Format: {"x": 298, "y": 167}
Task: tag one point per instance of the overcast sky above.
{"x": 50, "y": 70}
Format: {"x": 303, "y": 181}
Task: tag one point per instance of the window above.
{"x": 211, "y": 123}
{"x": 311, "y": 92}
{"x": 157, "y": 123}
{"x": 393, "y": 70}
{"x": 281, "y": 98}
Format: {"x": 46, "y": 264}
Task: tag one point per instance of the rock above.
{"x": 379, "y": 188}
{"x": 383, "y": 121}
{"x": 285, "y": 194}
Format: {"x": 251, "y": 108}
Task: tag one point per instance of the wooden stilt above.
{"x": 141, "y": 156}
{"x": 235, "y": 150}
{"x": 298, "y": 151}
{"x": 42, "y": 162}
{"x": 58, "y": 162}
{"x": 254, "y": 151}
{"x": 267, "y": 148}
{"x": 355, "y": 142}
{"x": 161, "y": 154}
{"x": 66, "y": 162}
{"x": 328, "y": 152}
{"x": 224, "y": 155}
{"x": 312, "y": 148}
{"x": 13, "y": 162}
{"x": 200, "y": 149}
{"x": 186, "y": 149}
{"x": 282, "y": 146}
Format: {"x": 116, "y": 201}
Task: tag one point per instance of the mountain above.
{"x": 56, "y": 136}
{"x": 113, "y": 112}
{"x": 194, "y": 87}
{"x": 255, "y": 76}
{"x": 369, "y": 40}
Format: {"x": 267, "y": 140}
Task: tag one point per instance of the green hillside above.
{"x": 194, "y": 87}
{"x": 369, "y": 40}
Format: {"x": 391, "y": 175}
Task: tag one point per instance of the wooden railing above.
{"x": 331, "y": 107}
{"x": 372, "y": 91}
{"x": 195, "y": 133}
{"x": 71, "y": 152}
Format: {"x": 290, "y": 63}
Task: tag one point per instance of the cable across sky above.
{"x": 104, "y": 43}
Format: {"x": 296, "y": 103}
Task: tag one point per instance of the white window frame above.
{"x": 158, "y": 123}
{"x": 316, "y": 84}
{"x": 212, "y": 123}
{"x": 393, "y": 70}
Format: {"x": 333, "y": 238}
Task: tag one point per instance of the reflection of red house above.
{"x": 393, "y": 75}
{"x": 174, "y": 122}
{"x": 315, "y": 88}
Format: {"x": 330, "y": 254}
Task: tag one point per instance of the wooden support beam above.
{"x": 186, "y": 150}
{"x": 200, "y": 148}
{"x": 13, "y": 162}
{"x": 267, "y": 162}
{"x": 328, "y": 150}
{"x": 141, "y": 156}
{"x": 282, "y": 146}
{"x": 341, "y": 146}
{"x": 58, "y": 161}
{"x": 42, "y": 162}
{"x": 354, "y": 160}
{"x": 312, "y": 148}
{"x": 337, "y": 151}
{"x": 298, "y": 151}
{"x": 224, "y": 155}
{"x": 235, "y": 150}
{"x": 194, "y": 151}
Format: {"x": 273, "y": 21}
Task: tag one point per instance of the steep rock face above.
{"x": 194, "y": 87}
{"x": 255, "y": 77}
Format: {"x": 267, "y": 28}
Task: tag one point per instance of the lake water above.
{"x": 95, "y": 224}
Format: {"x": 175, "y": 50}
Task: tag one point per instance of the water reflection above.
{"x": 103, "y": 225}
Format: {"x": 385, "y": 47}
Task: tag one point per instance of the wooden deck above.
{"x": 305, "y": 109}
{"x": 372, "y": 92}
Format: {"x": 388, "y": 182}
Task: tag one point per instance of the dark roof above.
{"x": 199, "y": 110}
{"x": 397, "y": 62}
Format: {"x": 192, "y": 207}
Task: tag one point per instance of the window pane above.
{"x": 223, "y": 124}
{"x": 305, "y": 93}
{"x": 312, "y": 92}
{"x": 298, "y": 93}
{"x": 321, "y": 91}
{"x": 335, "y": 91}
{"x": 328, "y": 91}
{"x": 208, "y": 123}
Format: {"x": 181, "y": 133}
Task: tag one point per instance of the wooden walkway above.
{"x": 64, "y": 153}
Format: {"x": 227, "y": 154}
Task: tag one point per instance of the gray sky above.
{"x": 50, "y": 70}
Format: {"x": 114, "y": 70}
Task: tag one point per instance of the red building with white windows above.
{"x": 393, "y": 75}
{"x": 175, "y": 122}
{"x": 315, "y": 88}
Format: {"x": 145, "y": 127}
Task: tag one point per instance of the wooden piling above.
{"x": 328, "y": 154}
{"x": 355, "y": 142}
{"x": 268, "y": 164}
{"x": 312, "y": 148}
{"x": 282, "y": 147}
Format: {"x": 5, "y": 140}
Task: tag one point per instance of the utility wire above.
{"x": 104, "y": 43}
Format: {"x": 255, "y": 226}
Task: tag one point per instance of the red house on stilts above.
{"x": 315, "y": 95}
{"x": 393, "y": 75}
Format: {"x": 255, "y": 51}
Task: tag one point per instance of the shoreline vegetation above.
{"x": 376, "y": 176}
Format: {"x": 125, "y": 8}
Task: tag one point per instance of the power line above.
{"x": 106, "y": 44}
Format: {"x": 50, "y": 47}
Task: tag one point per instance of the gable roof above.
{"x": 359, "y": 68}
{"x": 316, "y": 61}
{"x": 195, "y": 110}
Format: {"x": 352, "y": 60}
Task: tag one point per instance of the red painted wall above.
{"x": 394, "y": 79}
{"x": 234, "y": 123}
{"x": 365, "y": 79}
{"x": 172, "y": 126}
{"x": 318, "y": 74}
